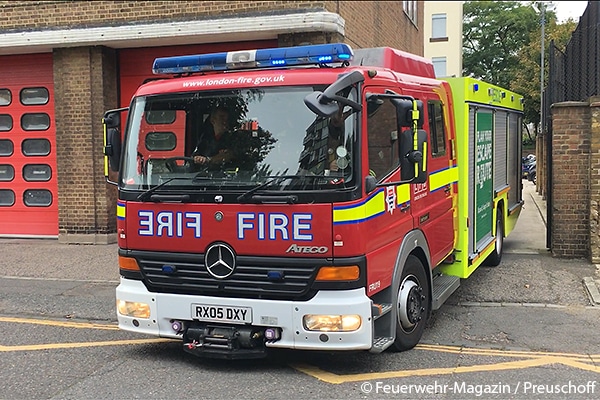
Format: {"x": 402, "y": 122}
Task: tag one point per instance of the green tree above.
{"x": 493, "y": 34}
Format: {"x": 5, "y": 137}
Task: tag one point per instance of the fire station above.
{"x": 63, "y": 63}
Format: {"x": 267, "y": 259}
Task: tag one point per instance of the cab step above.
{"x": 379, "y": 310}
{"x": 381, "y": 343}
{"x": 443, "y": 287}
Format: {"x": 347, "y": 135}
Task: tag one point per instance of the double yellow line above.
{"x": 71, "y": 325}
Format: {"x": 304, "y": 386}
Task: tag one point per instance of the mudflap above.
{"x": 225, "y": 341}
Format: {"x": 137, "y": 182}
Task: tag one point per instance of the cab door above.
{"x": 432, "y": 201}
{"x": 388, "y": 218}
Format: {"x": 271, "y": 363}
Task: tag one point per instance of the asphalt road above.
{"x": 525, "y": 329}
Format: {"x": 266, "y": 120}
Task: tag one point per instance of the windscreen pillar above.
{"x": 85, "y": 81}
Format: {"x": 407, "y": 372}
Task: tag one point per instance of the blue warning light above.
{"x": 259, "y": 58}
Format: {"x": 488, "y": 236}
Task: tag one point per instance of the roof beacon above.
{"x": 260, "y": 58}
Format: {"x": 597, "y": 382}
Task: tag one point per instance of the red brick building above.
{"x": 63, "y": 63}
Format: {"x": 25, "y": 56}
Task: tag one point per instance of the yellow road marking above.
{"x": 336, "y": 379}
{"x": 54, "y": 346}
{"x": 531, "y": 359}
{"x": 62, "y": 324}
{"x": 503, "y": 353}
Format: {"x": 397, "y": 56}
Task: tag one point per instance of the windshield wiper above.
{"x": 271, "y": 180}
{"x": 143, "y": 196}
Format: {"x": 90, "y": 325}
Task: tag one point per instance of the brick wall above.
{"x": 380, "y": 23}
{"x": 595, "y": 181}
{"x": 85, "y": 86}
{"x": 24, "y": 15}
{"x": 570, "y": 187}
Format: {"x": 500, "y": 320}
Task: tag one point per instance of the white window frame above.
{"x": 439, "y": 26}
{"x": 410, "y": 9}
{"x": 440, "y": 66}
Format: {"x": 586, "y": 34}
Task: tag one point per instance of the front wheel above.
{"x": 412, "y": 305}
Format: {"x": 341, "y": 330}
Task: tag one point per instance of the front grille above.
{"x": 186, "y": 274}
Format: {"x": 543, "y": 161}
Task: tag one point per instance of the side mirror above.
{"x": 413, "y": 156}
{"x": 112, "y": 140}
{"x": 404, "y": 112}
{"x": 324, "y": 103}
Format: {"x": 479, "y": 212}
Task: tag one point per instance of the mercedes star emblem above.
{"x": 219, "y": 260}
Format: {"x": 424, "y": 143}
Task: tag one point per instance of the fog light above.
{"x": 133, "y": 309}
{"x": 331, "y": 323}
{"x": 272, "y": 334}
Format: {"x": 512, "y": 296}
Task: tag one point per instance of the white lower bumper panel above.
{"x": 286, "y": 315}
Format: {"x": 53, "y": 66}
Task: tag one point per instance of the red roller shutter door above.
{"x": 28, "y": 182}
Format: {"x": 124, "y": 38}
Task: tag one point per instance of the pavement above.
{"x": 528, "y": 273}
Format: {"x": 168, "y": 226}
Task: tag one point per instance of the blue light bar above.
{"x": 248, "y": 59}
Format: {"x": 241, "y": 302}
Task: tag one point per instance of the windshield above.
{"x": 237, "y": 140}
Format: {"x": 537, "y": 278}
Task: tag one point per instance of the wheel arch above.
{"x": 414, "y": 243}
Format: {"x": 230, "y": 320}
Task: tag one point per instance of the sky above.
{"x": 566, "y": 9}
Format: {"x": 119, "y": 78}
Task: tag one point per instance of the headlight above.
{"x": 331, "y": 323}
{"x": 133, "y": 309}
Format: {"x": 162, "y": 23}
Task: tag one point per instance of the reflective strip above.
{"x": 442, "y": 178}
{"x": 120, "y": 210}
{"x": 372, "y": 207}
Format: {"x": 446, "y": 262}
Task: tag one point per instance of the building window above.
{"x": 6, "y": 148}
{"x": 6, "y": 122}
{"x": 7, "y": 198}
{"x": 37, "y": 172}
{"x": 410, "y": 9}
{"x": 35, "y": 122}
{"x": 7, "y": 173}
{"x": 35, "y": 147}
{"x": 438, "y": 26}
{"x": 35, "y": 96}
{"x": 37, "y": 198}
{"x": 439, "y": 66}
{"x": 5, "y": 97}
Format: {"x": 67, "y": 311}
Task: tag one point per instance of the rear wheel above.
{"x": 494, "y": 259}
{"x": 412, "y": 306}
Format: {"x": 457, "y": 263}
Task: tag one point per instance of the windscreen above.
{"x": 238, "y": 140}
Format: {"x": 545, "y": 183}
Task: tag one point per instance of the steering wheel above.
{"x": 172, "y": 166}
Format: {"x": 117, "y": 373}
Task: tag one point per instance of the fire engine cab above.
{"x": 357, "y": 191}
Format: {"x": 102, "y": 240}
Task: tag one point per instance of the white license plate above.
{"x": 235, "y": 315}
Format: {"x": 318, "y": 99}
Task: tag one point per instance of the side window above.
{"x": 436, "y": 128}
{"x": 382, "y": 134}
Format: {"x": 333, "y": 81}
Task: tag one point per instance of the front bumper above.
{"x": 285, "y": 315}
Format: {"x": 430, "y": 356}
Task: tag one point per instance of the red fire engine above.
{"x": 349, "y": 194}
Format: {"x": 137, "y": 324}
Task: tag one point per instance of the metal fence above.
{"x": 573, "y": 75}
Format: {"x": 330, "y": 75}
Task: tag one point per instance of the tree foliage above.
{"x": 493, "y": 34}
{"x": 502, "y": 45}
{"x": 528, "y": 76}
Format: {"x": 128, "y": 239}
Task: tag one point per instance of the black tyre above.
{"x": 412, "y": 306}
{"x": 494, "y": 259}
{"x": 532, "y": 177}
